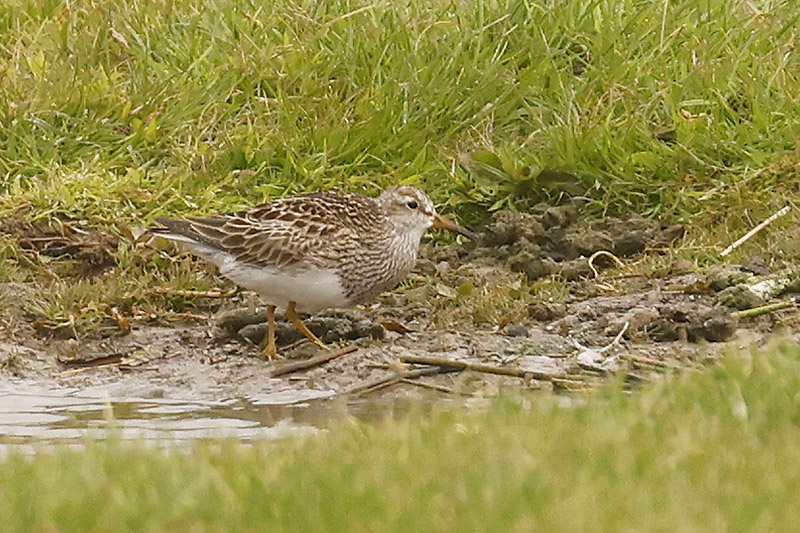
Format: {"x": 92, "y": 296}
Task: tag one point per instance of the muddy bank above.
{"x": 476, "y": 303}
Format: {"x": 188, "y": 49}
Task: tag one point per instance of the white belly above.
{"x": 313, "y": 289}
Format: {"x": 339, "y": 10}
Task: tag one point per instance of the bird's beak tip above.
{"x": 445, "y": 223}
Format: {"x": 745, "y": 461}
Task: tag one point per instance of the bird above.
{"x": 309, "y": 252}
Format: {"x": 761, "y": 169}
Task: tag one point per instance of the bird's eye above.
{"x": 412, "y": 204}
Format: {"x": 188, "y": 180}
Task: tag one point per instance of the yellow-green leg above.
{"x": 294, "y": 318}
{"x": 268, "y": 347}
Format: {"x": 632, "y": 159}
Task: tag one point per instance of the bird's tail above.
{"x": 184, "y": 232}
{"x": 176, "y": 230}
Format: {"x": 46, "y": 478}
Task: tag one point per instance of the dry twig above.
{"x": 216, "y": 292}
{"x": 388, "y": 381}
{"x": 616, "y": 340}
{"x": 569, "y": 384}
{"x": 431, "y": 386}
{"x": 314, "y": 361}
{"x": 764, "y": 309}
{"x": 478, "y": 367}
{"x": 755, "y": 230}
{"x": 649, "y": 362}
{"x": 115, "y": 361}
{"x": 606, "y": 253}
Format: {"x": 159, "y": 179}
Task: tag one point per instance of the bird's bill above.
{"x": 445, "y": 223}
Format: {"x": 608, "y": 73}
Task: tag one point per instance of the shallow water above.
{"x": 37, "y": 417}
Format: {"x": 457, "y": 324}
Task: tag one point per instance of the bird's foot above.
{"x": 269, "y": 350}
{"x": 294, "y": 318}
{"x": 319, "y": 343}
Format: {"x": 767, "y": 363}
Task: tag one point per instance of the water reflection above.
{"x": 43, "y": 416}
{"x": 37, "y": 416}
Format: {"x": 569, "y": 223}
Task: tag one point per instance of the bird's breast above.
{"x": 377, "y": 269}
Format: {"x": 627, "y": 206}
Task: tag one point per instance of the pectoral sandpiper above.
{"x": 314, "y": 251}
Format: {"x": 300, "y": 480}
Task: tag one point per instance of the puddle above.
{"x": 34, "y": 418}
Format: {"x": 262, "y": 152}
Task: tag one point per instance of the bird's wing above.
{"x": 280, "y": 234}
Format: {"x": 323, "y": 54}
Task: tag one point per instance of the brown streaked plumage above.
{"x": 314, "y": 251}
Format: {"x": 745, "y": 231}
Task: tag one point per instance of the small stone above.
{"x": 561, "y": 216}
{"x": 681, "y": 266}
{"x": 533, "y": 267}
{"x": 756, "y": 265}
{"x": 516, "y": 330}
{"x": 720, "y": 327}
{"x": 739, "y": 297}
{"x": 545, "y": 311}
{"x": 668, "y": 235}
{"x": 630, "y": 243}
{"x": 724, "y": 276}
{"x": 575, "y": 270}
{"x": 588, "y": 241}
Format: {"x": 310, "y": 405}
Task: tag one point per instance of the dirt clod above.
{"x": 333, "y": 327}
{"x": 545, "y": 312}
{"x": 720, "y": 326}
{"x": 723, "y": 276}
{"x": 552, "y": 240}
{"x": 756, "y": 265}
{"x": 91, "y": 250}
{"x": 516, "y": 330}
{"x": 561, "y": 216}
{"x": 533, "y": 267}
{"x": 739, "y": 297}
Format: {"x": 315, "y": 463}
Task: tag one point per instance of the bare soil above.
{"x": 637, "y": 326}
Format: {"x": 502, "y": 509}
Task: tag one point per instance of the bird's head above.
{"x": 412, "y": 210}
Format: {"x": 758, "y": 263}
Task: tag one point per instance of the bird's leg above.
{"x": 268, "y": 348}
{"x": 294, "y": 318}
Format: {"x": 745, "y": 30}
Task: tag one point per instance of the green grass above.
{"x": 707, "y": 451}
{"x": 123, "y": 112}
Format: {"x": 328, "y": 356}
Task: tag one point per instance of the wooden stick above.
{"x": 83, "y": 369}
{"x": 431, "y": 386}
{"x": 616, "y": 340}
{"x": 755, "y": 230}
{"x": 764, "y": 309}
{"x": 393, "y": 379}
{"x": 568, "y": 384}
{"x": 314, "y": 361}
{"x": 124, "y": 362}
{"x": 211, "y": 293}
{"x": 478, "y": 367}
{"x": 592, "y": 369}
{"x": 94, "y": 361}
{"x": 631, "y": 376}
{"x": 648, "y": 361}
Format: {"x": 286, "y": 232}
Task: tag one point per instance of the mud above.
{"x": 88, "y": 252}
{"x": 635, "y": 325}
{"x": 551, "y": 241}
